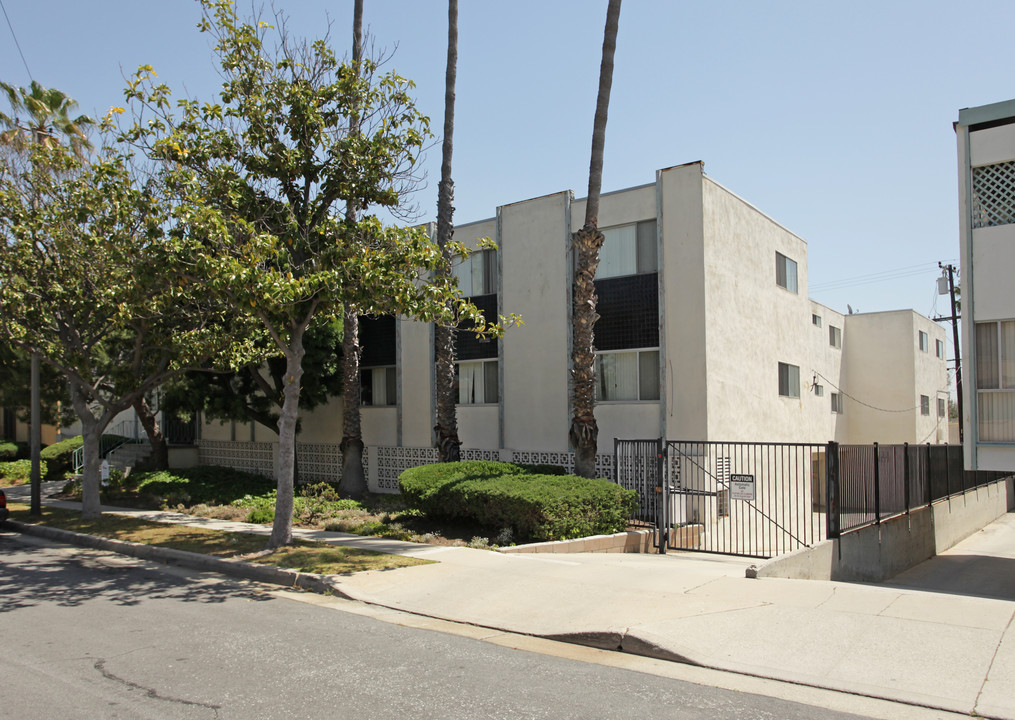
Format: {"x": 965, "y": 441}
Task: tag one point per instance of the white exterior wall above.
{"x": 987, "y": 256}
{"x": 825, "y": 369}
{"x": 684, "y": 404}
{"x": 752, "y": 324}
{"x": 534, "y": 238}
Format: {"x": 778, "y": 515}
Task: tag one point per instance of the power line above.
{"x": 861, "y": 402}
{"x": 870, "y": 278}
{"x": 16, "y": 43}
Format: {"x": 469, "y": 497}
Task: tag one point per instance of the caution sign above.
{"x": 741, "y": 487}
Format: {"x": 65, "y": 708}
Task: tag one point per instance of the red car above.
{"x": 4, "y": 512}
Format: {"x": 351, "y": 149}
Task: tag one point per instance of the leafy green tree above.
{"x": 42, "y": 116}
{"x": 261, "y": 171}
{"x": 84, "y": 258}
{"x": 584, "y": 430}
{"x": 14, "y": 389}
{"x": 254, "y": 393}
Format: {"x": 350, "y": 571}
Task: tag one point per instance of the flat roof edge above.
{"x": 986, "y": 113}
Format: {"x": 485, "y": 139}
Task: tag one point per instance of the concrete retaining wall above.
{"x": 879, "y": 552}
{"x": 632, "y": 541}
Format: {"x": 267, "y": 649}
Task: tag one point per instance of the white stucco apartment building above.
{"x": 986, "y": 153}
{"x": 706, "y": 333}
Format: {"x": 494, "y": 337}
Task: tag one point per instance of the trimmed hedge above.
{"x": 59, "y": 457}
{"x": 19, "y": 471}
{"x": 535, "y": 507}
{"x": 8, "y": 451}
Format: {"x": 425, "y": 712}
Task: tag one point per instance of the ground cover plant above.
{"x": 18, "y": 472}
{"x": 228, "y": 494}
{"x": 303, "y": 556}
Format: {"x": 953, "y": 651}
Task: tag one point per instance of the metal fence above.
{"x": 869, "y": 483}
{"x": 753, "y": 499}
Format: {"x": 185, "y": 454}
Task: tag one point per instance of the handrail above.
{"x": 123, "y": 433}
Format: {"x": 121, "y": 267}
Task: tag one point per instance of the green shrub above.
{"x": 8, "y": 451}
{"x": 59, "y": 457}
{"x": 18, "y": 472}
{"x": 502, "y": 496}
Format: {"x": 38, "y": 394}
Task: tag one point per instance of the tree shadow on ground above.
{"x": 32, "y": 574}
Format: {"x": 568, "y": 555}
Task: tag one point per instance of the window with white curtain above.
{"x": 628, "y": 250}
{"x": 378, "y": 386}
{"x": 477, "y": 274}
{"x": 627, "y": 376}
{"x": 785, "y": 272}
{"x": 478, "y": 382}
{"x": 995, "y": 381}
{"x": 789, "y": 380}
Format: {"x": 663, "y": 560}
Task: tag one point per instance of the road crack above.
{"x": 100, "y": 665}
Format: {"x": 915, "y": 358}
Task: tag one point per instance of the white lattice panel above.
{"x": 253, "y": 457}
{"x": 470, "y": 454}
{"x": 993, "y": 195}
{"x": 392, "y": 461}
{"x": 320, "y": 462}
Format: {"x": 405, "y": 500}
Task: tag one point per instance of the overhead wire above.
{"x": 16, "y": 43}
{"x": 865, "y": 404}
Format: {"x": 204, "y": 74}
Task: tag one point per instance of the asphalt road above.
{"x": 93, "y": 635}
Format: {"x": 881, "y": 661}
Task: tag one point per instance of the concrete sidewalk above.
{"x": 940, "y": 636}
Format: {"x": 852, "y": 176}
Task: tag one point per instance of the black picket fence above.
{"x": 869, "y": 483}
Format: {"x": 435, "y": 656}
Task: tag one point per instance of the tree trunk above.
{"x": 446, "y": 432}
{"x": 353, "y": 477}
{"x": 91, "y": 433}
{"x": 282, "y": 528}
{"x": 150, "y": 422}
{"x": 354, "y": 481}
{"x": 584, "y": 431}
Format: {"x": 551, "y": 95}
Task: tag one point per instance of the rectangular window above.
{"x": 478, "y": 382}
{"x": 834, "y": 336}
{"x": 785, "y": 272}
{"x": 629, "y": 376}
{"x": 819, "y": 390}
{"x": 378, "y": 386}
{"x": 939, "y": 348}
{"x": 995, "y": 381}
{"x": 924, "y": 405}
{"x": 815, "y": 320}
{"x": 789, "y": 380}
{"x": 477, "y": 274}
{"x": 924, "y": 342}
{"x": 942, "y": 407}
{"x": 628, "y": 250}
{"x": 837, "y": 403}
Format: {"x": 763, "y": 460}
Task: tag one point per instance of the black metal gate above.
{"x": 751, "y": 499}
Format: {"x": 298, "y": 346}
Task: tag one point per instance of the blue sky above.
{"x": 833, "y": 118}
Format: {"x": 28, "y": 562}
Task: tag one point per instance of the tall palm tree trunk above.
{"x": 446, "y": 431}
{"x": 353, "y": 477}
{"x": 584, "y": 431}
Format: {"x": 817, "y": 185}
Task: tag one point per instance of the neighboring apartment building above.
{"x": 706, "y": 333}
{"x": 986, "y": 152}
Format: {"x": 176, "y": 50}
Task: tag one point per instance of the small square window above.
{"x": 789, "y": 380}
{"x": 785, "y": 272}
{"x": 628, "y": 376}
{"x": 925, "y": 405}
{"x": 942, "y": 407}
{"x": 478, "y": 382}
{"x": 819, "y": 390}
{"x": 815, "y": 320}
{"x": 939, "y": 349}
{"x": 834, "y": 336}
{"x": 924, "y": 342}
{"x": 837, "y": 404}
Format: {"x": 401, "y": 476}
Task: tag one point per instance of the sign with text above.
{"x": 741, "y": 487}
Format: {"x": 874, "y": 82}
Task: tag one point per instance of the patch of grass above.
{"x": 303, "y": 556}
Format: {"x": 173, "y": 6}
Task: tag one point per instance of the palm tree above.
{"x": 446, "y": 431}
{"x": 584, "y": 431}
{"x": 47, "y": 123}
{"x": 353, "y": 478}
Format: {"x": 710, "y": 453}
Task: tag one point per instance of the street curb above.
{"x": 196, "y": 561}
